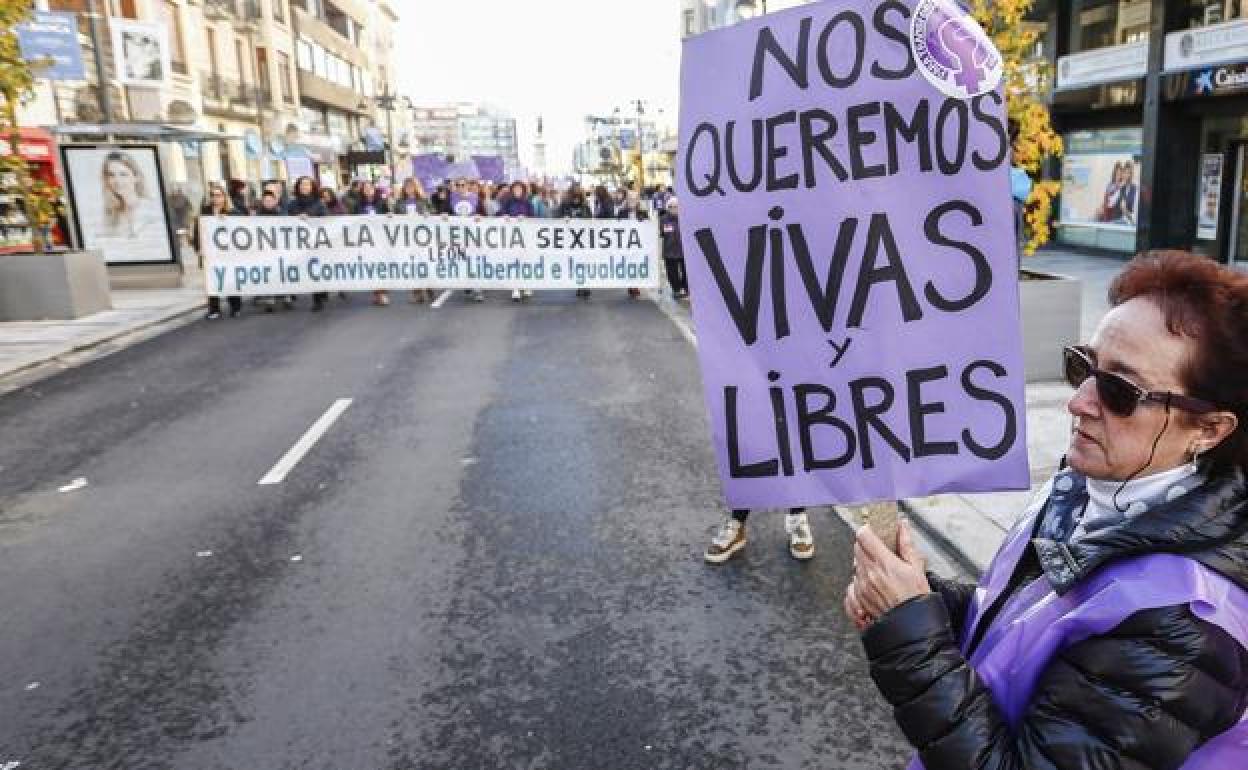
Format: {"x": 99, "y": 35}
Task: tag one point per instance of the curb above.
{"x": 933, "y": 533}
{"x": 174, "y": 313}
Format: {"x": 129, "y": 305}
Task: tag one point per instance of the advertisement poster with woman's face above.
{"x": 1100, "y": 189}
{"x": 118, "y": 202}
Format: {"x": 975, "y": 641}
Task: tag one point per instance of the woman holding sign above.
{"x": 306, "y": 202}
{"x": 368, "y": 202}
{"x": 217, "y": 205}
{"x": 1111, "y": 629}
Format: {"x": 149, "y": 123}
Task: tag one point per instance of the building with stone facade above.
{"x": 257, "y": 89}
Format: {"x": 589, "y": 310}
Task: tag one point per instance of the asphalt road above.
{"x": 492, "y": 559}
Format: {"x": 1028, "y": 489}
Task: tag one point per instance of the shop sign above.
{"x": 1214, "y": 81}
{"x": 1201, "y": 47}
{"x": 32, "y": 151}
{"x": 53, "y": 36}
{"x": 1103, "y": 65}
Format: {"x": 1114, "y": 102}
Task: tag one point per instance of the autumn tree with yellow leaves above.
{"x": 17, "y": 80}
{"x": 1025, "y": 81}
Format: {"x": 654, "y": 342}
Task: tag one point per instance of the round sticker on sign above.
{"x": 952, "y": 51}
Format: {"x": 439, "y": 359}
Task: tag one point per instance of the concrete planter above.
{"x": 53, "y": 287}
{"x": 123, "y": 277}
{"x": 1052, "y": 307}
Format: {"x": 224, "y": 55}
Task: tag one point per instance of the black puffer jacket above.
{"x": 1143, "y": 695}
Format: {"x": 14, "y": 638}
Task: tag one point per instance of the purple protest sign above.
{"x": 849, "y": 241}
{"x": 491, "y": 168}
{"x": 430, "y": 169}
{"x": 462, "y": 169}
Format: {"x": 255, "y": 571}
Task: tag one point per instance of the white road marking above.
{"x": 442, "y": 298}
{"x": 305, "y": 442}
{"x": 74, "y": 485}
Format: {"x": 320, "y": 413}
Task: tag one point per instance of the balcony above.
{"x": 231, "y": 98}
{"x": 237, "y": 10}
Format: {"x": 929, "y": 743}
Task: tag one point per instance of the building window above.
{"x": 314, "y": 120}
{"x": 1103, "y": 23}
{"x": 210, "y": 41}
{"x": 240, "y": 59}
{"x": 303, "y": 55}
{"x": 321, "y": 62}
{"x": 691, "y": 22}
{"x": 279, "y": 10}
{"x": 262, "y": 72}
{"x": 338, "y": 125}
{"x": 283, "y": 75}
{"x": 173, "y": 22}
{"x": 1202, "y": 13}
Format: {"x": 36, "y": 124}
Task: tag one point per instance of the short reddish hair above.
{"x": 1207, "y": 302}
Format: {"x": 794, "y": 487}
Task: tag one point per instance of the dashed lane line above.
{"x": 305, "y": 443}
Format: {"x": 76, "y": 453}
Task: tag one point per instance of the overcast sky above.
{"x": 562, "y": 59}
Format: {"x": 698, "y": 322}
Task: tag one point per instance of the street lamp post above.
{"x": 388, "y": 102}
{"x": 106, "y": 98}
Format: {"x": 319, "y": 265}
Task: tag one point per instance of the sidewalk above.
{"x": 28, "y": 345}
{"x": 973, "y": 526}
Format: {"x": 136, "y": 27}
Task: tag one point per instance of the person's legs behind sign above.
{"x": 730, "y": 538}
{"x": 675, "y": 268}
{"x": 214, "y": 307}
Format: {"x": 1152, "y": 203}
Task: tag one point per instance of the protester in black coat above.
{"x": 1034, "y": 669}
{"x": 271, "y": 206}
{"x": 217, "y": 205}
{"x": 1144, "y": 693}
{"x": 368, "y": 201}
{"x": 575, "y": 206}
{"x": 673, "y": 250}
{"x": 306, "y": 202}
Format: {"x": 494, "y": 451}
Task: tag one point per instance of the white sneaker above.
{"x": 801, "y": 541}
{"x": 727, "y": 541}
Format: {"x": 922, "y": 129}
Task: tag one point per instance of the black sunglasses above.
{"x": 1119, "y": 395}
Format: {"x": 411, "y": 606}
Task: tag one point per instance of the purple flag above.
{"x": 844, "y": 175}
{"x": 491, "y": 168}
{"x": 430, "y": 169}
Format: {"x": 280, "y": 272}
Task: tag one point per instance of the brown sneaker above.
{"x": 727, "y": 541}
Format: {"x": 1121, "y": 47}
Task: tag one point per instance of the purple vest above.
{"x": 1036, "y": 623}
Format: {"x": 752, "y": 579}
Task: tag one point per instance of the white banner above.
{"x": 249, "y": 256}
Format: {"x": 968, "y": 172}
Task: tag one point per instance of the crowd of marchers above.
{"x": 454, "y": 197}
